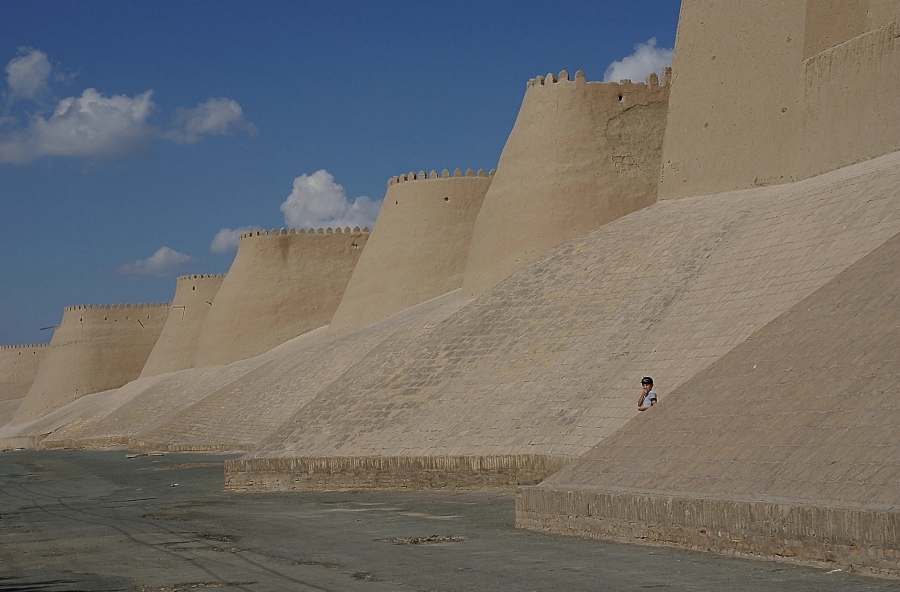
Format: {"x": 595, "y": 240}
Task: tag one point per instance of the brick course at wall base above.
{"x": 398, "y": 472}
{"x": 860, "y": 540}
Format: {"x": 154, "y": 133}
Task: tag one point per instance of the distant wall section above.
{"x": 418, "y": 247}
{"x": 18, "y": 367}
{"x": 95, "y": 348}
{"x": 580, "y": 155}
{"x": 177, "y": 345}
{"x": 281, "y": 285}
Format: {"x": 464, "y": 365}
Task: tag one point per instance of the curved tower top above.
{"x": 94, "y": 349}
{"x": 418, "y": 246}
{"x": 580, "y": 155}
{"x": 282, "y": 284}
{"x": 177, "y": 345}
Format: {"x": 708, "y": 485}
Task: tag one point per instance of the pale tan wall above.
{"x": 831, "y": 22}
{"x": 851, "y": 101}
{"x": 95, "y": 348}
{"x": 280, "y": 285}
{"x": 176, "y": 347}
{"x": 18, "y": 367}
{"x": 765, "y": 92}
{"x": 735, "y": 99}
{"x": 580, "y": 155}
{"x": 882, "y": 12}
{"x": 418, "y": 247}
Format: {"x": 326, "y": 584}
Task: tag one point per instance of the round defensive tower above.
{"x": 281, "y": 285}
{"x": 95, "y": 348}
{"x": 18, "y": 367}
{"x": 580, "y": 154}
{"x": 177, "y": 345}
{"x": 418, "y": 247}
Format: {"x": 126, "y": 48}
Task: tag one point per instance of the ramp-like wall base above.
{"x": 859, "y": 540}
{"x": 391, "y": 473}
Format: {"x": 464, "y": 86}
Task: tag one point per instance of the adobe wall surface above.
{"x": 281, "y": 285}
{"x": 767, "y": 92}
{"x": 736, "y": 99}
{"x": 18, "y": 367}
{"x": 785, "y": 447}
{"x": 138, "y": 406}
{"x": 850, "y": 102}
{"x": 7, "y": 410}
{"x": 235, "y": 406}
{"x": 417, "y": 249}
{"x": 177, "y": 345}
{"x": 580, "y": 155}
{"x": 95, "y": 348}
{"x": 547, "y": 363}
{"x": 241, "y": 414}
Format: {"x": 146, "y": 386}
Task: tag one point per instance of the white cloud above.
{"x": 645, "y": 59}
{"x": 318, "y": 202}
{"x": 227, "y": 239}
{"x": 27, "y": 73}
{"x": 93, "y": 126}
{"x": 163, "y": 263}
{"x": 89, "y": 126}
{"x": 215, "y": 117}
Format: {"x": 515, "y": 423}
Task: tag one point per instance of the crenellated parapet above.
{"x": 28, "y": 346}
{"x": 563, "y": 77}
{"x": 209, "y": 276}
{"x": 283, "y": 283}
{"x": 434, "y": 175}
{"x": 115, "y": 306}
{"x": 312, "y": 231}
{"x": 418, "y": 247}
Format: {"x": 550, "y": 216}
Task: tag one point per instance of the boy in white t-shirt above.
{"x": 648, "y": 397}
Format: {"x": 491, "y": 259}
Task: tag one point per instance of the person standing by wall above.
{"x": 648, "y": 397}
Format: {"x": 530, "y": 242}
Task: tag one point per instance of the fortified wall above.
{"x": 545, "y": 366}
{"x": 95, "y": 348}
{"x": 580, "y": 155}
{"x": 281, "y": 285}
{"x": 770, "y": 92}
{"x": 177, "y": 345}
{"x": 18, "y": 367}
{"x": 418, "y": 247}
{"x": 784, "y": 447}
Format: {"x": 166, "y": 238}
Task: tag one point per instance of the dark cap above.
{"x": 646, "y": 380}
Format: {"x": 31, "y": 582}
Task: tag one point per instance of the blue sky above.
{"x": 133, "y": 134}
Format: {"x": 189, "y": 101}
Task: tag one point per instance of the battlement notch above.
{"x": 27, "y": 346}
{"x": 109, "y": 306}
{"x": 433, "y": 175}
{"x": 205, "y": 276}
{"x": 551, "y": 79}
{"x": 287, "y": 232}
